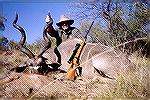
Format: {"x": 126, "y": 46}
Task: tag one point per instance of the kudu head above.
{"x": 34, "y": 61}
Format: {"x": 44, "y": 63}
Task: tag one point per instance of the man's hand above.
{"x": 49, "y": 20}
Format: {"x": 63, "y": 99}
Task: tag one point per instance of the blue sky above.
{"x": 31, "y": 17}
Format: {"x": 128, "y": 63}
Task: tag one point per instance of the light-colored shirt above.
{"x": 71, "y": 34}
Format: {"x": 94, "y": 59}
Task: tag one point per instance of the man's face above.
{"x": 65, "y": 26}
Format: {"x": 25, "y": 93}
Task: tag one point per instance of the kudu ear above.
{"x": 23, "y": 39}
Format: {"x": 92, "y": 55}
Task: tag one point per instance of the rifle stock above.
{"x": 71, "y": 73}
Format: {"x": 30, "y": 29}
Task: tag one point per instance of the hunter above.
{"x": 62, "y": 33}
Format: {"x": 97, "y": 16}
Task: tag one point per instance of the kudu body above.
{"x": 107, "y": 61}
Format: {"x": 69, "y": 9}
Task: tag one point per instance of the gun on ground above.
{"x": 74, "y": 59}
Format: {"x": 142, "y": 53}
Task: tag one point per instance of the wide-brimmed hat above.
{"x": 63, "y": 19}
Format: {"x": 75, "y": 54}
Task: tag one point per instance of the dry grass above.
{"x": 135, "y": 84}
{"x": 10, "y": 60}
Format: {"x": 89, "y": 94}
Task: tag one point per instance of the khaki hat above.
{"x": 64, "y": 18}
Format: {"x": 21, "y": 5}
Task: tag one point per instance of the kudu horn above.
{"x": 23, "y": 39}
{"x": 46, "y": 39}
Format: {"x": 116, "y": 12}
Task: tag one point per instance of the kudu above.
{"x": 95, "y": 57}
{"x": 35, "y": 63}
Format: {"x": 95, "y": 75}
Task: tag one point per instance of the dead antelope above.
{"x": 96, "y": 58}
{"x": 35, "y": 63}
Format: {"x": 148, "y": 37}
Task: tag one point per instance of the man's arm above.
{"x": 50, "y": 29}
{"x": 49, "y": 22}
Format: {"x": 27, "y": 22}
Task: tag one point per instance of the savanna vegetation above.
{"x": 118, "y": 25}
{"x": 124, "y": 26}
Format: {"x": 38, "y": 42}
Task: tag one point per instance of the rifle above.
{"x": 71, "y": 73}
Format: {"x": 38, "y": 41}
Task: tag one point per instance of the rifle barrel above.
{"x": 89, "y": 29}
